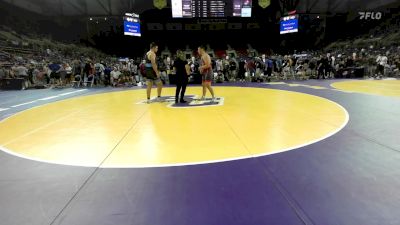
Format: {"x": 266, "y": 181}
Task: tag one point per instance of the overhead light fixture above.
{"x": 91, "y": 19}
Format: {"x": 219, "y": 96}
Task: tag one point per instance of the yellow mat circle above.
{"x": 111, "y": 130}
{"x": 375, "y": 87}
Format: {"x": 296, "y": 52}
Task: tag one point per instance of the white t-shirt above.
{"x": 68, "y": 69}
{"x": 130, "y": 67}
{"x": 99, "y": 67}
{"x": 134, "y": 69}
{"x": 219, "y": 65}
{"x": 333, "y": 59}
{"x": 22, "y": 71}
{"x": 115, "y": 74}
{"x": 382, "y": 60}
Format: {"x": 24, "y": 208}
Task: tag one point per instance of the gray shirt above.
{"x": 21, "y": 71}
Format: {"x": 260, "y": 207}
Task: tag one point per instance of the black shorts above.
{"x": 55, "y": 75}
{"x": 269, "y": 71}
{"x": 154, "y": 80}
{"x": 381, "y": 69}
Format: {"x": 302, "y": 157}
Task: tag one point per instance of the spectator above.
{"x": 99, "y": 72}
{"x": 68, "y": 70}
{"x": 2, "y": 73}
{"x": 115, "y": 76}
{"x": 381, "y": 64}
{"x": 21, "y": 71}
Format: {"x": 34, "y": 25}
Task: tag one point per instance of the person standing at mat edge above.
{"x": 182, "y": 71}
{"x": 152, "y": 73}
{"x": 206, "y": 72}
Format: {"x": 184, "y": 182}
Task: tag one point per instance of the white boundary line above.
{"x": 48, "y": 98}
{"x": 26, "y": 103}
{"x": 47, "y": 103}
{"x": 44, "y": 99}
{"x": 347, "y": 118}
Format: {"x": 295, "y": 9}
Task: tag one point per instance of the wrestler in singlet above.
{"x": 207, "y": 74}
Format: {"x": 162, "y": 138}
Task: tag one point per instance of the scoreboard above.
{"x": 132, "y": 25}
{"x": 211, "y": 8}
{"x": 289, "y": 24}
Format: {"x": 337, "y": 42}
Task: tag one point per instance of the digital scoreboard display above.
{"x": 211, "y": 8}
{"x": 289, "y": 24}
{"x": 132, "y": 25}
{"x": 242, "y": 8}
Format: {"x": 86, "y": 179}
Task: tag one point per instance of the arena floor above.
{"x": 301, "y": 152}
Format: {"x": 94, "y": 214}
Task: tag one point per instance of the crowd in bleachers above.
{"x": 49, "y": 64}
{"x": 40, "y": 61}
{"x": 86, "y": 71}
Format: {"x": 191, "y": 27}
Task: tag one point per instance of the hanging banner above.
{"x": 160, "y": 4}
{"x": 264, "y": 3}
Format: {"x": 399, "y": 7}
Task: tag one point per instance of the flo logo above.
{"x": 370, "y": 15}
{"x": 192, "y": 101}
